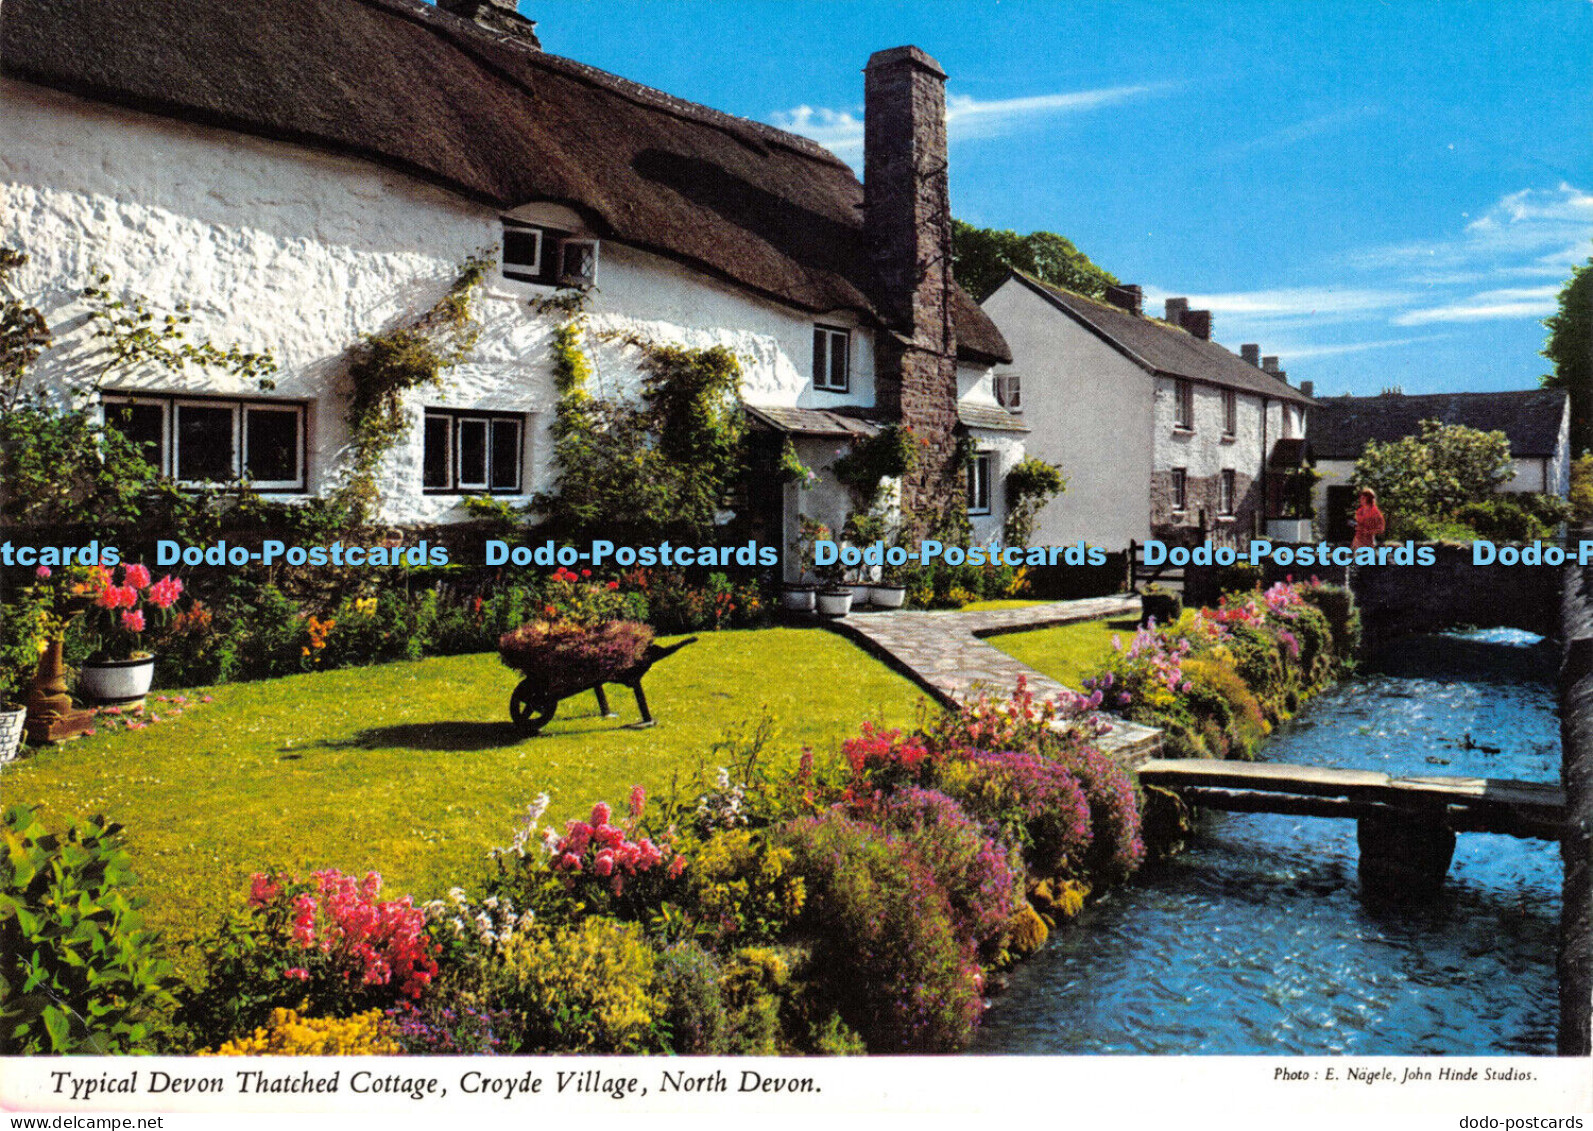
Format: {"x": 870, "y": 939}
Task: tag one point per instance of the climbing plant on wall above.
{"x": 1030, "y": 485}
{"x": 384, "y": 367}
{"x": 657, "y": 466}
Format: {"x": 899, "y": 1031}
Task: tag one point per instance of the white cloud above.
{"x": 1533, "y": 232}
{"x": 841, "y": 131}
{"x": 1302, "y": 352}
{"x": 1507, "y": 302}
{"x": 1283, "y": 304}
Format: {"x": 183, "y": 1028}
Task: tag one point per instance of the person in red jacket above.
{"x": 1369, "y": 522}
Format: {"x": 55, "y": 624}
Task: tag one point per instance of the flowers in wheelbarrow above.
{"x": 612, "y": 853}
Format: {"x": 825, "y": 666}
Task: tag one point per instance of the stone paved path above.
{"x": 945, "y": 653}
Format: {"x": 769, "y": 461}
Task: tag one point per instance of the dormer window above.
{"x": 535, "y": 254}
{"x": 1009, "y": 391}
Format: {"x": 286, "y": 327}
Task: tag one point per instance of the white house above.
{"x": 1537, "y": 422}
{"x": 1161, "y": 432}
{"x": 303, "y": 172}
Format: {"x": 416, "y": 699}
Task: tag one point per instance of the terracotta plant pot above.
{"x": 116, "y": 681}
{"x": 834, "y": 602}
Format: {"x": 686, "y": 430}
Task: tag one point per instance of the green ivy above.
{"x": 1030, "y": 485}
{"x": 385, "y": 367}
{"x": 24, "y": 334}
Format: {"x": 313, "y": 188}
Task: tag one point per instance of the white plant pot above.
{"x": 859, "y": 595}
{"x": 836, "y": 604}
{"x": 13, "y": 725}
{"x": 1296, "y": 530}
{"x": 116, "y": 681}
{"x": 797, "y": 599}
{"x": 887, "y": 596}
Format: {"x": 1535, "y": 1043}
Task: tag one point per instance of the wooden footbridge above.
{"x": 1406, "y": 826}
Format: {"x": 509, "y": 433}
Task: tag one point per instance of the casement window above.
{"x": 536, "y": 254}
{"x": 832, "y": 359}
{"x": 1184, "y": 405}
{"x": 1225, "y": 493}
{"x": 979, "y": 483}
{"x": 1180, "y": 482}
{"x": 1230, "y": 412}
{"x": 472, "y": 452}
{"x": 1009, "y": 391}
{"x": 197, "y": 440}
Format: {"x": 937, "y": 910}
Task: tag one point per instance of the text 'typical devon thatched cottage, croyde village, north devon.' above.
{"x": 304, "y": 172}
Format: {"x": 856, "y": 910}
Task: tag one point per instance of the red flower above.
{"x": 138, "y": 576}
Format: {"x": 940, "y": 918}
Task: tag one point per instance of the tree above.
{"x": 981, "y": 257}
{"x": 1431, "y": 476}
{"x": 1570, "y": 347}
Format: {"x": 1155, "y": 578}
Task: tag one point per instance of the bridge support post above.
{"x": 1403, "y": 857}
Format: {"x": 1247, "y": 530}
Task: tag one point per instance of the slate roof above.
{"x": 1530, "y": 418}
{"x": 400, "y": 83}
{"x": 814, "y": 421}
{"x": 990, "y": 416}
{"x": 1163, "y": 348}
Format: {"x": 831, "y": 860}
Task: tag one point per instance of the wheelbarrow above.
{"x": 535, "y": 700}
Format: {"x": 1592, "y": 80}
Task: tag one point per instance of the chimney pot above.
{"x": 1176, "y": 309}
{"x": 1198, "y": 323}
{"x": 1127, "y": 297}
{"x": 501, "y": 16}
{"x": 1251, "y": 352}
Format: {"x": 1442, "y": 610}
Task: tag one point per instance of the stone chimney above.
{"x": 1176, "y": 309}
{"x": 1127, "y": 297}
{"x": 1251, "y": 353}
{"x": 1308, "y": 388}
{"x": 1198, "y": 323}
{"x": 500, "y": 16}
{"x": 907, "y": 230}
{"x": 1270, "y": 364}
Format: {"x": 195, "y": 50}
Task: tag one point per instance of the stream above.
{"x": 1255, "y": 941}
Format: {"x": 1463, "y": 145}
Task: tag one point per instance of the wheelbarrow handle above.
{"x": 659, "y": 651}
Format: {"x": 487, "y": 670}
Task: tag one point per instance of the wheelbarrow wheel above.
{"x": 531, "y": 707}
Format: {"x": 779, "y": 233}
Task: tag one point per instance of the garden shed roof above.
{"x": 1162, "y": 347}
{"x": 1531, "y": 419}
{"x": 420, "y": 90}
{"x": 814, "y": 421}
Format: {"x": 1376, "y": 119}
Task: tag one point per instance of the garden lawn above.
{"x": 413, "y": 769}
{"x": 1066, "y": 652}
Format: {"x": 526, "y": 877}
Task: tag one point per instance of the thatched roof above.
{"x": 408, "y": 86}
{"x": 1341, "y": 427}
{"x": 1162, "y": 348}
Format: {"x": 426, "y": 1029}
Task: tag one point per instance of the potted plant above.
{"x": 799, "y": 595}
{"x": 890, "y": 591}
{"x": 118, "y": 669}
{"x": 834, "y": 597}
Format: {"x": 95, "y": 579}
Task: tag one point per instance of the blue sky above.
{"x": 1380, "y": 193}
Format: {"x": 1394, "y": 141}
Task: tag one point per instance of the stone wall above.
{"x": 1398, "y": 600}
{"x": 1576, "y": 774}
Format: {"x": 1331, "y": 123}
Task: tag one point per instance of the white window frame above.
{"x": 532, "y": 273}
{"x": 1183, "y": 405}
{"x": 980, "y": 469}
{"x": 171, "y": 457}
{"x": 1009, "y": 391}
{"x": 1180, "y": 485}
{"x": 830, "y": 334}
{"x": 1227, "y": 492}
{"x": 457, "y": 419}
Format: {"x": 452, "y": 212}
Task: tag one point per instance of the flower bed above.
{"x": 859, "y": 902}
{"x": 1216, "y": 680}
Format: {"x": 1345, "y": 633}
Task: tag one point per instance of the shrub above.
{"x": 1337, "y": 604}
{"x": 1016, "y": 722}
{"x": 612, "y": 866}
{"x": 287, "y": 1034}
{"x": 687, "y": 980}
{"x": 982, "y": 878}
{"x": 1216, "y": 692}
{"x": 328, "y": 945}
{"x": 448, "y": 1024}
{"x": 1503, "y": 518}
{"x": 584, "y": 988}
{"x": 1117, "y": 847}
{"x": 886, "y": 955}
{"x": 78, "y": 970}
{"x": 1033, "y": 800}
{"x": 880, "y": 759}
{"x": 743, "y": 889}
{"x": 564, "y": 654}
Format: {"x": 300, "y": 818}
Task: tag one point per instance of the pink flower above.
{"x": 133, "y": 621}
{"x": 138, "y": 575}
{"x": 126, "y": 597}
{"x": 297, "y": 973}
{"x": 165, "y": 592}
{"x": 42, "y": 572}
{"x": 638, "y": 800}
{"x": 601, "y": 813}
{"x": 676, "y": 866}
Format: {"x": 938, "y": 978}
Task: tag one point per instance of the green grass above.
{"x": 413, "y": 769}
{"x": 1066, "y": 652}
{"x": 1000, "y": 603}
